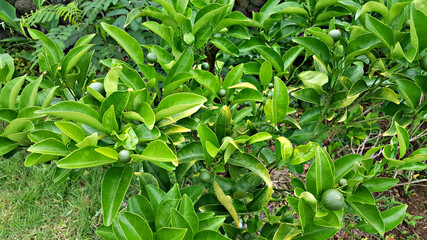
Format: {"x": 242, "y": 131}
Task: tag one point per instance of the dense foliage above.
{"x": 221, "y": 101}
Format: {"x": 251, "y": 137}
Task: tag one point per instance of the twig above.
{"x": 406, "y": 183}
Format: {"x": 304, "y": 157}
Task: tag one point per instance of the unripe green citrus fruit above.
{"x": 151, "y": 58}
{"x": 335, "y": 34}
{"x": 423, "y": 63}
{"x": 97, "y": 86}
{"x": 342, "y": 182}
{"x": 270, "y": 85}
{"x": 189, "y": 38}
{"x": 205, "y": 177}
{"x": 332, "y": 199}
{"x": 221, "y": 93}
{"x": 124, "y": 156}
{"x": 205, "y": 66}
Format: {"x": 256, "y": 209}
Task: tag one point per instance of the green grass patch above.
{"x": 32, "y": 207}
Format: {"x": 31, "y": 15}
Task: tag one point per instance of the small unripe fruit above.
{"x": 205, "y": 66}
{"x": 221, "y": 93}
{"x": 342, "y": 182}
{"x": 333, "y": 200}
{"x": 270, "y": 85}
{"x": 335, "y": 34}
{"x": 151, "y": 58}
{"x": 124, "y": 156}
{"x": 189, "y": 38}
{"x": 205, "y": 177}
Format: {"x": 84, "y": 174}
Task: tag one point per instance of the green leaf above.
{"x": 226, "y": 45}
{"x": 6, "y": 145}
{"x": 75, "y": 111}
{"x": 362, "y": 44}
{"x": 140, "y": 205}
{"x": 361, "y": 195}
{"x": 129, "y": 44}
{"x": 410, "y": 91}
{"x": 272, "y": 56}
{"x": 134, "y": 226}
{"x": 279, "y": 104}
{"x": 385, "y": 93}
{"x": 373, "y": 7}
{"x": 325, "y": 171}
{"x": 73, "y": 57}
{"x": 380, "y": 184}
{"x": 209, "y": 234}
{"x": 117, "y": 99}
{"x": 254, "y": 165}
{"x": 357, "y": 88}
{"x": 208, "y": 18}
{"x": 179, "y": 105}
{"x": 285, "y": 231}
{"x": 305, "y": 212}
{"x": 71, "y": 130}
{"x": 10, "y": 92}
{"x": 223, "y": 124}
{"x": 291, "y": 55}
{"x": 106, "y": 233}
{"x": 190, "y": 152}
{"x": 265, "y": 73}
{"x": 403, "y": 138}
{"x": 207, "y": 80}
{"x": 83, "y": 158}
{"x": 50, "y": 146}
{"x": 205, "y": 135}
{"x": 370, "y": 214}
{"x": 18, "y": 129}
{"x": 312, "y": 231}
{"x": 163, "y": 213}
{"x": 226, "y": 202}
{"x": 314, "y": 79}
{"x": 109, "y": 120}
{"x": 308, "y": 95}
{"x": 187, "y": 210}
{"x": 167, "y": 233}
{"x": 259, "y": 137}
{"x": 285, "y": 150}
{"x": 7, "y": 67}
{"x": 303, "y": 153}
{"x": 29, "y": 94}
{"x": 392, "y": 218}
{"x": 52, "y": 49}
{"x": 344, "y": 165}
{"x": 114, "y": 187}
{"x": 316, "y": 46}
{"x": 381, "y": 30}
{"x": 157, "y": 151}
{"x": 183, "y": 64}
{"x": 179, "y": 221}
{"x": 418, "y": 31}
{"x": 111, "y": 80}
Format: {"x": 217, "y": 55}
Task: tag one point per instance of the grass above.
{"x": 32, "y": 207}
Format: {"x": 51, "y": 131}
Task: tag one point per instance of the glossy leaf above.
{"x": 75, "y": 111}
{"x": 134, "y": 226}
{"x": 114, "y": 187}
{"x": 83, "y": 158}
{"x": 129, "y": 44}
